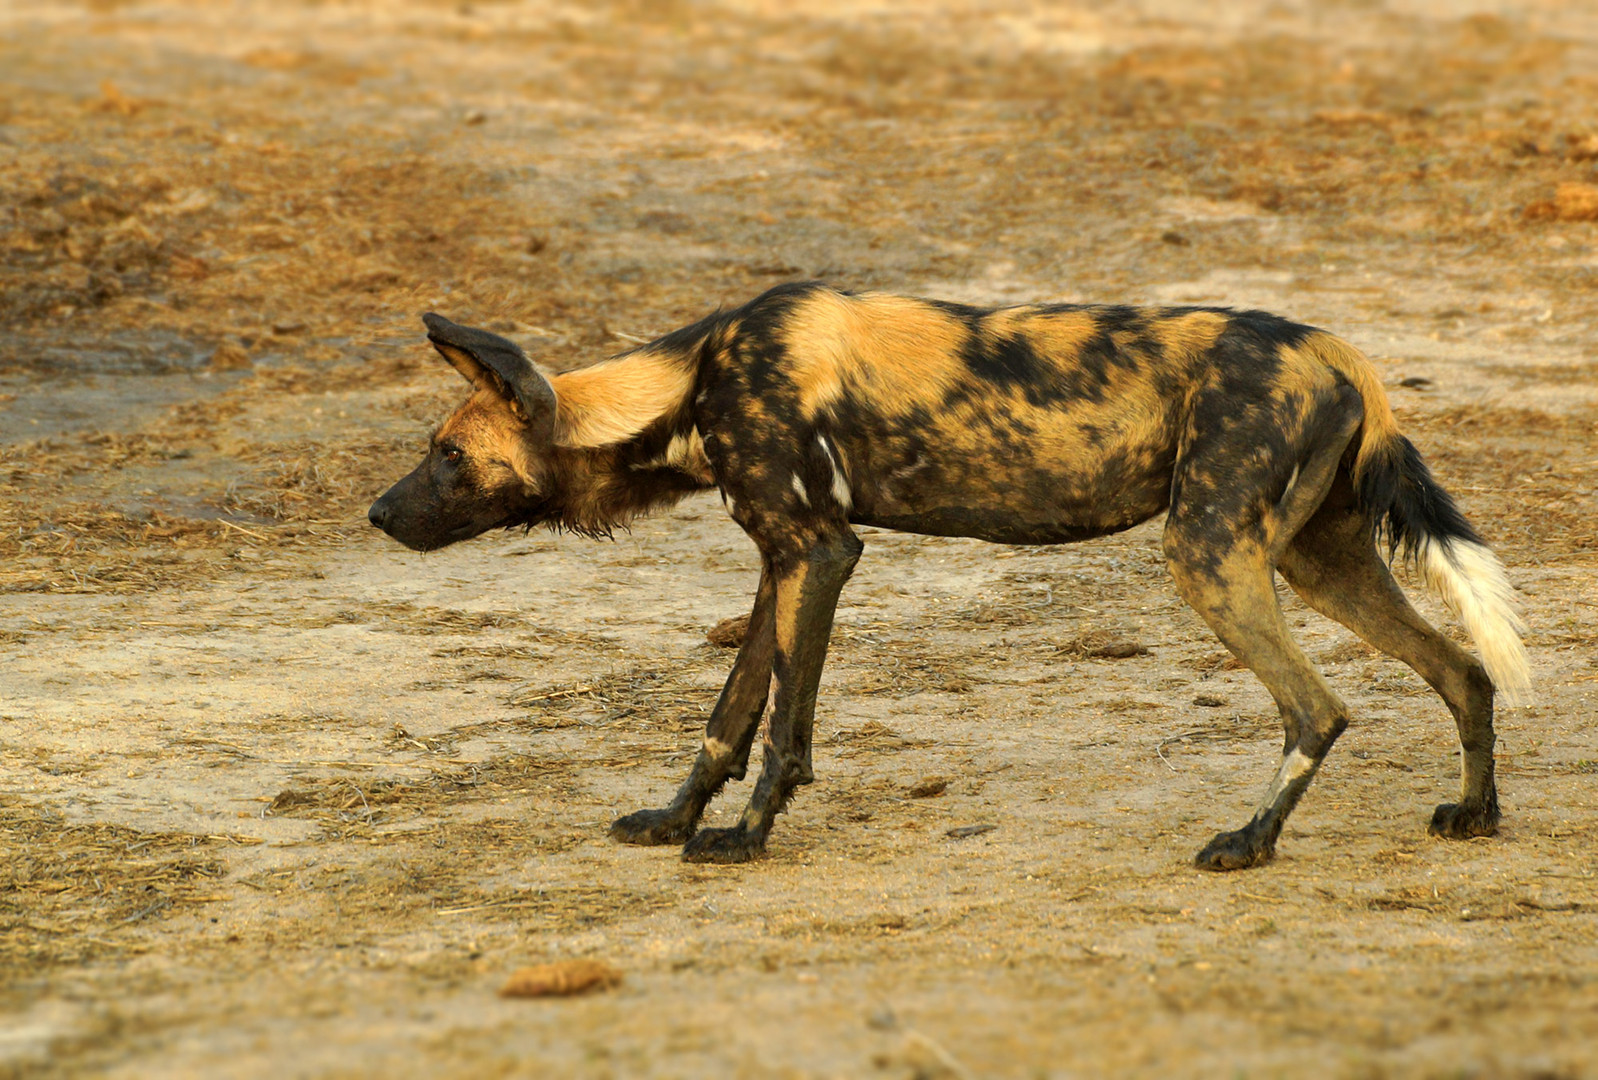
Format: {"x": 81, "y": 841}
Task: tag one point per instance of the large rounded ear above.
{"x": 491, "y": 362}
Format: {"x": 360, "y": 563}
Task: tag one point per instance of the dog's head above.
{"x": 488, "y": 464}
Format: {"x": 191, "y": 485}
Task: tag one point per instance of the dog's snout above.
{"x": 378, "y": 514}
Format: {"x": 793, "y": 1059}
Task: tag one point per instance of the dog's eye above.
{"x": 453, "y": 455}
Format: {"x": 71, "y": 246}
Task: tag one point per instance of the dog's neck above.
{"x": 599, "y": 489}
{"x": 625, "y": 442}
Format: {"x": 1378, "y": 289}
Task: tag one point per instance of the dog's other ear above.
{"x": 491, "y": 362}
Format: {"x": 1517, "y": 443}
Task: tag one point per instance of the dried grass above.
{"x": 363, "y": 805}
{"x": 901, "y": 666}
{"x": 70, "y": 891}
{"x": 313, "y": 483}
{"x": 871, "y": 738}
{"x": 403, "y": 617}
{"x": 641, "y": 698}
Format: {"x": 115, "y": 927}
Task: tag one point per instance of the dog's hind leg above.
{"x": 1221, "y": 540}
{"x": 1232, "y": 590}
{"x": 729, "y": 734}
{"x": 807, "y": 588}
{"x": 1333, "y": 564}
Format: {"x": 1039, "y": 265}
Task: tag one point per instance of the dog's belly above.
{"x": 985, "y": 525}
{"x": 1016, "y": 502}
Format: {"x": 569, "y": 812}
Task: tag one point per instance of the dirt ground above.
{"x": 279, "y": 798}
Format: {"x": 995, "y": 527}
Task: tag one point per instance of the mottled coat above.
{"x": 1269, "y": 445}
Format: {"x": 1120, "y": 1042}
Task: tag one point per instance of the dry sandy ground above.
{"x": 281, "y": 799}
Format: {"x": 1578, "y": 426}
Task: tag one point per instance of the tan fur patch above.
{"x": 1058, "y": 334}
{"x": 1380, "y": 427}
{"x": 489, "y": 429}
{"x": 615, "y": 400}
{"x": 1189, "y": 335}
{"x": 1131, "y": 409}
{"x": 790, "y": 595}
{"x": 685, "y": 453}
{"x": 1005, "y": 323}
{"x": 896, "y": 351}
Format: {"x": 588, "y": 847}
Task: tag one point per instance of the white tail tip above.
{"x": 1472, "y": 582}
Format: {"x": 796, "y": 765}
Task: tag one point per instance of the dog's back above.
{"x": 1035, "y": 424}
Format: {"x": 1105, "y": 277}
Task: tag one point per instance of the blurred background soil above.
{"x": 280, "y": 798}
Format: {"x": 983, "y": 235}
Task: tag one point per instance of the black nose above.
{"x": 378, "y": 515}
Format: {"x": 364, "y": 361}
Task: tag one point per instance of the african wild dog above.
{"x": 1270, "y": 445}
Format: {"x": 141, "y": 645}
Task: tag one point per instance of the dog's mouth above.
{"x": 430, "y": 540}
{"x": 425, "y": 540}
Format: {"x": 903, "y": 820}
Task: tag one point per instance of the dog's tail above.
{"x": 1423, "y": 526}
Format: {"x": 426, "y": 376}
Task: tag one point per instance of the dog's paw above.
{"x": 735, "y": 845}
{"x": 1461, "y": 821}
{"x": 650, "y": 827}
{"x": 1233, "y": 851}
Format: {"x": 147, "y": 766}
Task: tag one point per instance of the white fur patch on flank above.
{"x": 840, "y": 488}
{"x": 799, "y": 490}
{"x": 840, "y": 481}
{"x": 1472, "y": 582}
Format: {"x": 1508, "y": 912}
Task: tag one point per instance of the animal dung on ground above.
{"x": 1100, "y": 645}
{"x": 729, "y": 633}
{"x": 560, "y": 978}
{"x": 929, "y": 786}
{"x": 962, "y": 832}
{"x": 1572, "y": 201}
{"x": 1119, "y": 650}
{"x": 1209, "y": 701}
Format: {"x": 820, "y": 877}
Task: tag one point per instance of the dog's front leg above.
{"x": 729, "y": 733}
{"x": 807, "y": 590}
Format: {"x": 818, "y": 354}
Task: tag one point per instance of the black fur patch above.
{"x": 1407, "y": 505}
